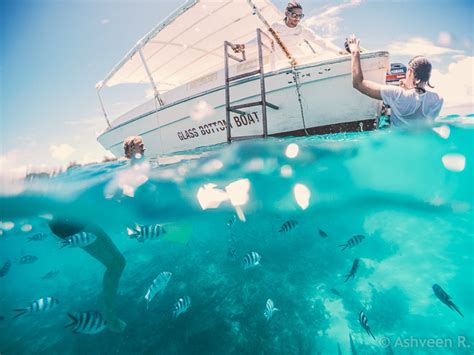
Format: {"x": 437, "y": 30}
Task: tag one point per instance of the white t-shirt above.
{"x": 301, "y": 41}
{"x": 410, "y": 107}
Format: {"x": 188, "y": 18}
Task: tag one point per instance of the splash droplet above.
{"x": 454, "y": 162}
{"x": 292, "y": 150}
{"x": 286, "y": 171}
{"x": 302, "y": 195}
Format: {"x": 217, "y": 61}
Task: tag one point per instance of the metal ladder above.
{"x": 263, "y": 100}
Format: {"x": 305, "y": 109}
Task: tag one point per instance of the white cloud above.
{"x": 327, "y": 22}
{"x": 10, "y": 166}
{"x": 61, "y": 152}
{"x": 456, "y": 85}
{"x": 444, "y": 38}
{"x": 105, "y": 21}
{"x": 420, "y": 46}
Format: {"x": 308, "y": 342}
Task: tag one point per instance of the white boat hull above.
{"x": 329, "y": 102}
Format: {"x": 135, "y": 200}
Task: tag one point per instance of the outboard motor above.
{"x": 397, "y": 72}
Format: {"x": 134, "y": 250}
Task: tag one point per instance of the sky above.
{"x": 53, "y": 52}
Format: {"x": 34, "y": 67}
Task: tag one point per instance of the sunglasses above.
{"x": 295, "y": 16}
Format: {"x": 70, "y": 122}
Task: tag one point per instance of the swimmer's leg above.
{"x": 105, "y": 251}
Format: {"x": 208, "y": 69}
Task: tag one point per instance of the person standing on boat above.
{"x": 299, "y": 40}
{"x": 410, "y": 102}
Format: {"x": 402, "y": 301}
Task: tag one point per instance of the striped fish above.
{"x": 365, "y": 324}
{"x": 250, "y": 260}
{"x": 288, "y": 226}
{"x": 50, "y": 275}
{"x": 181, "y": 306}
{"x": 38, "y": 237}
{"x": 269, "y": 309}
{"x": 79, "y": 240}
{"x": 158, "y": 285}
{"x": 351, "y": 243}
{"x": 5, "y": 268}
{"x": 27, "y": 259}
{"x": 351, "y": 274}
{"x": 445, "y": 298}
{"x": 141, "y": 233}
{"x": 88, "y": 322}
{"x": 39, "y": 306}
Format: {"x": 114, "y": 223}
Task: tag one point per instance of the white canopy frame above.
{"x": 179, "y": 51}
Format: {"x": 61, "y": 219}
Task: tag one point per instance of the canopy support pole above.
{"x": 155, "y": 90}
{"x": 103, "y": 109}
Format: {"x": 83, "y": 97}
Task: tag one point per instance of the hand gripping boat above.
{"x": 204, "y": 94}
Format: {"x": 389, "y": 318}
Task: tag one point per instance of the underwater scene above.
{"x": 354, "y": 243}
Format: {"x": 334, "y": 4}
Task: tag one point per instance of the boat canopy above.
{"x": 189, "y": 43}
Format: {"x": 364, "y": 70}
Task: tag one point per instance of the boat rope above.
{"x": 296, "y": 77}
{"x": 157, "y": 109}
{"x": 285, "y": 50}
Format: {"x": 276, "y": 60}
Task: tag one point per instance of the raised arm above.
{"x": 367, "y": 87}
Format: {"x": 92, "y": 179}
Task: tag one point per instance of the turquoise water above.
{"x": 410, "y": 194}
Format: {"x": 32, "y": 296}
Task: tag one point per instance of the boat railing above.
{"x": 261, "y": 72}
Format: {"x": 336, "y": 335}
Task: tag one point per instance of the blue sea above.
{"x": 400, "y": 202}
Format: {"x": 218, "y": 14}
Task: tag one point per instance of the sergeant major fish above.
{"x": 351, "y": 274}
{"x": 269, "y": 309}
{"x": 365, "y": 324}
{"x": 445, "y": 298}
{"x": 5, "y": 268}
{"x": 38, "y": 237}
{"x": 141, "y": 233}
{"x": 322, "y": 233}
{"x": 50, "y": 275}
{"x": 39, "y": 306}
{"x": 288, "y": 226}
{"x": 81, "y": 239}
{"x": 250, "y": 260}
{"x": 158, "y": 286}
{"x": 88, "y": 322}
{"x": 27, "y": 259}
{"x": 181, "y": 306}
{"x": 355, "y": 240}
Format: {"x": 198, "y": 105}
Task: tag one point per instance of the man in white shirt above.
{"x": 410, "y": 102}
{"x": 299, "y": 40}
